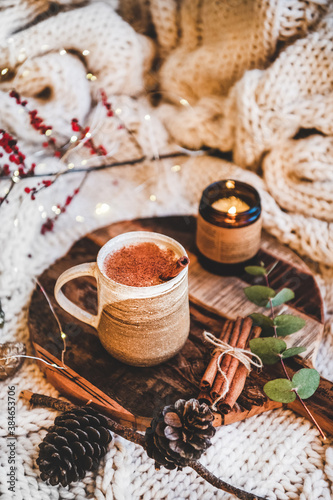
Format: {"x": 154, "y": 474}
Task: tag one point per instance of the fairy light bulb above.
{"x": 175, "y": 168}
{"x": 102, "y": 208}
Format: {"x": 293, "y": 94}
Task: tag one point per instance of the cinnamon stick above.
{"x": 204, "y": 397}
{"x": 241, "y": 343}
{"x": 211, "y": 370}
{"x": 238, "y": 382}
{"x": 226, "y": 360}
{"x": 179, "y": 265}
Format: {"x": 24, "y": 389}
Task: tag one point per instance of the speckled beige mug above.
{"x": 141, "y": 326}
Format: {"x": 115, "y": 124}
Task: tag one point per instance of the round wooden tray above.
{"x": 132, "y": 395}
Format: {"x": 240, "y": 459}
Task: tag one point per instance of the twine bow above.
{"x": 243, "y": 355}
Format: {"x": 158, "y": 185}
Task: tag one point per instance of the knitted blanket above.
{"x": 254, "y": 77}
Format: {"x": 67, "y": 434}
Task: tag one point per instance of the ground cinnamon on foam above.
{"x": 140, "y": 264}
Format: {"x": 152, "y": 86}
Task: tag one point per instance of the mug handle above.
{"x": 88, "y": 269}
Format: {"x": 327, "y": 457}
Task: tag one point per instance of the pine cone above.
{"x": 77, "y": 441}
{"x": 180, "y": 433}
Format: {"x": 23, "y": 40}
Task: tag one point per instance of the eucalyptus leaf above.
{"x": 256, "y": 270}
{"x": 306, "y": 382}
{"x": 293, "y": 351}
{"x": 261, "y": 320}
{"x": 282, "y": 296}
{"x": 280, "y": 390}
{"x": 268, "y": 349}
{"x": 265, "y": 323}
{"x": 287, "y": 324}
{"x": 259, "y": 295}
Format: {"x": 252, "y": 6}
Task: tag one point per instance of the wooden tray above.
{"x": 132, "y": 395}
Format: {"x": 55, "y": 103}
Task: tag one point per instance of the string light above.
{"x": 175, "y": 168}
{"x": 83, "y": 162}
{"x": 55, "y": 209}
{"x": 70, "y": 166}
{"x": 102, "y": 208}
{"x": 91, "y": 77}
{"x": 62, "y": 333}
{"x": 88, "y": 134}
{"x": 25, "y": 73}
{"x": 4, "y": 71}
{"x": 85, "y": 52}
{"x": 118, "y": 111}
{"x": 62, "y": 52}
{"x": 152, "y": 197}
{"x": 74, "y": 138}
{"x": 44, "y": 215}
{"x": 48, "y": 132}
{"x": 15, "y": 179}
{"x": 147, "y": 117}
{"x": 184, "y": 102}
{"x": 34, "y": 357}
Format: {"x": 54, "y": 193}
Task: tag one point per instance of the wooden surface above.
{"x": 131, "y": 394}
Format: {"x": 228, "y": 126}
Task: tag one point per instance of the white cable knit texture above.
{"x": 253, "y": 72}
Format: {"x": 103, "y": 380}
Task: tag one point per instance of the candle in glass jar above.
{"x": 229, "y": 222}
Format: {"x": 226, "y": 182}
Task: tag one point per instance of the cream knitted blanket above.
{"x": 247, "y": 76}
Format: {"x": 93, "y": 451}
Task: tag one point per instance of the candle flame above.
{"x": 232, "y": 210}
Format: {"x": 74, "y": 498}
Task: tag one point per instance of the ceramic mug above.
{"x": 141, "y": 326}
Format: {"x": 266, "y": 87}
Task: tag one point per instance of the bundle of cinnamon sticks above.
{"x": 237, "y": 334}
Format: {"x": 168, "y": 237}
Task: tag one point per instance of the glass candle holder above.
{"x": 229, "y": 224}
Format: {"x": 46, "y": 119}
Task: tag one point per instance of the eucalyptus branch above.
{"x": 286, "y": 372}
{"x": 138, "y": 438}
{"x": 272, "y": 349}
